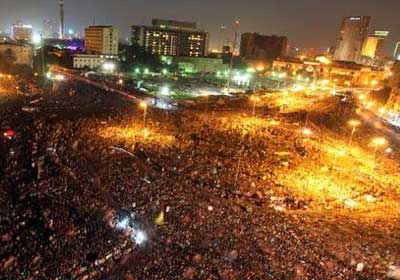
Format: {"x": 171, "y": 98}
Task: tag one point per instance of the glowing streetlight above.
{"x": 143, "y": 105}
{"x": 378, "y": 142}
{"x": 307, "y": 132}
{"x": 389, "y": 150}
{"x": 337, "y": 154}
{"x": 255, "y": 99}
{"x": 36, "y": 39}
{"x": 374, "y": 83}
{"x": 353, "y": 124}
{"x": 164, "y": 90}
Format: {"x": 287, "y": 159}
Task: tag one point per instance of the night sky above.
{"x": 307, "y": 23}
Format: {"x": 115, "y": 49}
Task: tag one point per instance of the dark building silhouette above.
{"x": 254, "y": 46}
{"x": 352, "y": 35}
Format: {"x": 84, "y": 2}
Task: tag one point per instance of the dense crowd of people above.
{"x": 201, "y": 183}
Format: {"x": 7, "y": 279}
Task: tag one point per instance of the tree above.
{"x": 136, "y": 56}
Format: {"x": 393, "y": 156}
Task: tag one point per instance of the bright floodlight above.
{"x": 354, "y": 123}
{"x": 143, "y": 105}
{"x": 379, "y": 141}
{"x": 109, "y": 66}
{"x": 254, "y": 98}
{"x": 307, "y": 132}
{"x": 59, "y": 77}
{"x": 140, "y": 237}
{"x": 165, "y": 90}
{"x": 36, "y": 39}
{"x": 123, "y": 224}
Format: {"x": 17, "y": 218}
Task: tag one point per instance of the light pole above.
{"x": 228, "y": 84}
{"x": 255, "y": 99}
{"x": 143, "y": 105}
{"x": 353, "y": 124}
{"x": 307, "y": 133}
{"x": 378, "y": 142}
{"x": 338, "y": 153}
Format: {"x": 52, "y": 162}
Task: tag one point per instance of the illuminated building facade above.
{"x": 171, "y": 38}
{"x": 373, "y": 44}
{"x": 352, "y": 35}
{"x": 92, "y": 61}
{"x": 254, "y": 46}
{"x": 393, "y": 104}
{"x": 22, "y": 32}
{"x": 341, "y": 73}
{"x": 100, "y": 39}
{"x": 372, "y": 50}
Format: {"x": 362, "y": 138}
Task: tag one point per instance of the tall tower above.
{"x": 353, "y": 32}
{"x": 61, "y": 19}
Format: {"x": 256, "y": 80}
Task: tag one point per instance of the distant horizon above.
{"x": 309, "y": 24}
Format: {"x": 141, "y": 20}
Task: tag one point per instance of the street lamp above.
{"x": 353, "y": 124}
{"x": 378, "y": 142}
{"x": 143, "y": 105}
{"x": 236, "y": 28}
{"x": 337, "y": 153}
{"x": 382, "y": 111}
{"x": 255, "y": 99}
{"x": 307, "y": 132}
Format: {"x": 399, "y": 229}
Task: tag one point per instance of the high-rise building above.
{"x": 223, "y": 38}
{"x": 254, "y": 46}
{"x": 101, "y": 39}
{"x": 171, "y": 38}
{"x": 49, "y": 29}
{"x": 353, "y": 32}
{"x": 373, "y": 44}
{"x": 22, "y": 32}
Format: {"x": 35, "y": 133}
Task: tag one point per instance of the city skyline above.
{"x": 182, "y": 139}
{"x": 307, "y": 24}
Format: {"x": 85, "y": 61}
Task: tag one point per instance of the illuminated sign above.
{"x": 381, "y": 33}
{"x": 355, "y": 18}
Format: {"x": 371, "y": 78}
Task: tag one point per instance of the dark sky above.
{"x": 307, "y": 23}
